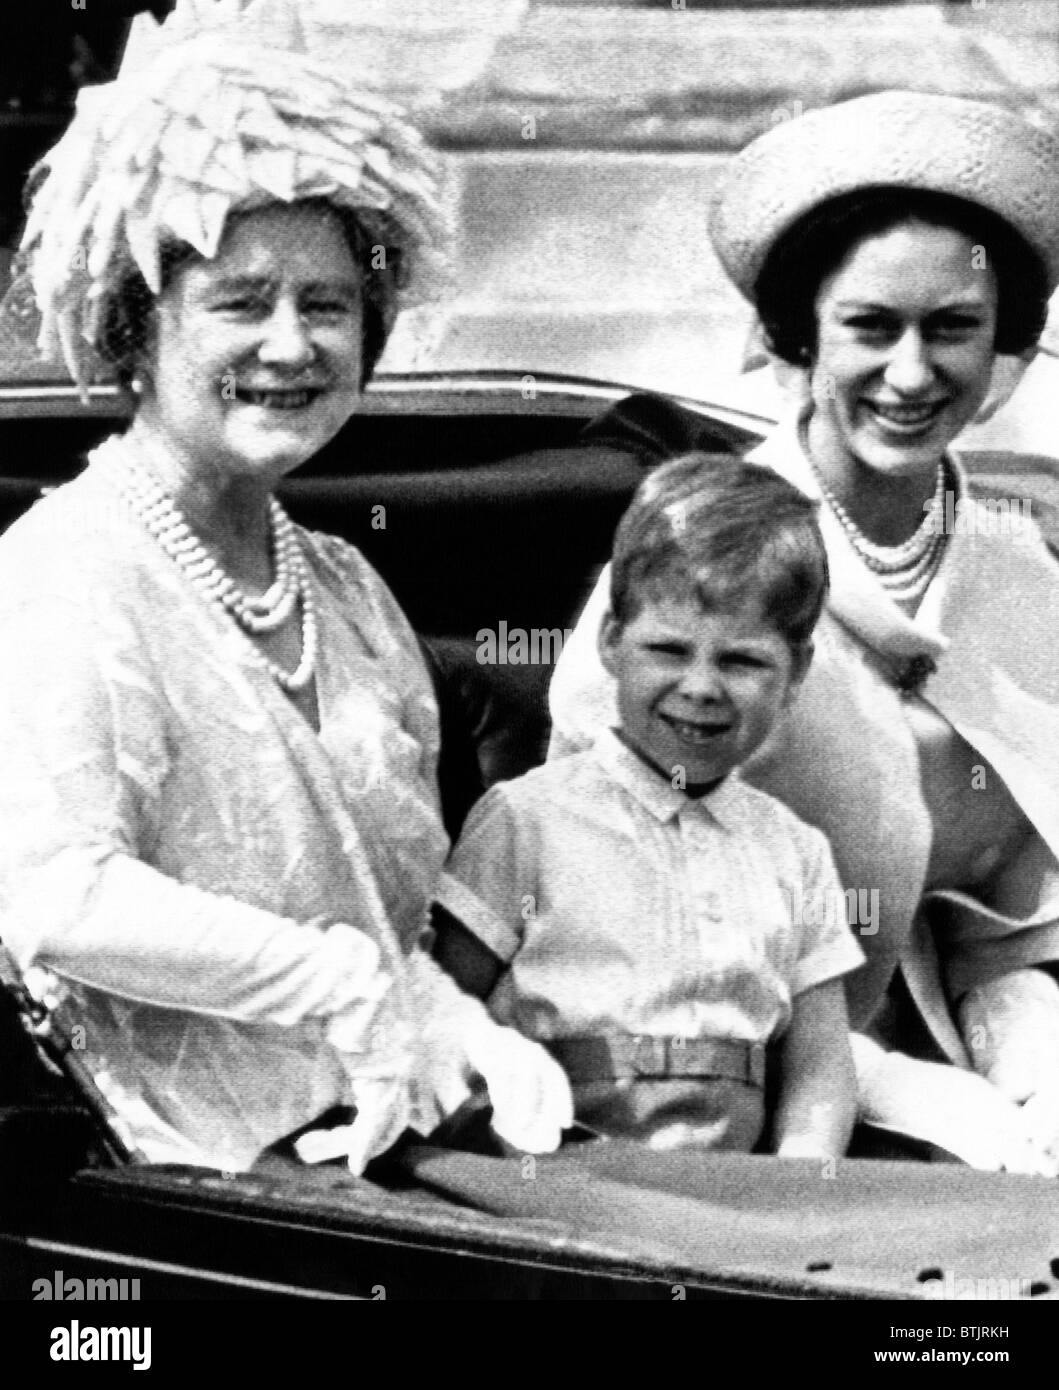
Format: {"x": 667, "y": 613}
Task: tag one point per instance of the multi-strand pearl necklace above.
{"x": 165, "y": 522}
{"x": 904, "y": 570}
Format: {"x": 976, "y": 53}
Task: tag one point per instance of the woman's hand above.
{"x": 955, "y": 1109}
{"x": 1041, "y": 1113}
{"x": 531, "y": 1098}
{"x": 458, "y": 1043}
{"x": 1011, "y": 1028}
{"x": 374, "y": 1041}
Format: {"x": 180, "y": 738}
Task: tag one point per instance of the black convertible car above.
{"x": 487, "y": 502}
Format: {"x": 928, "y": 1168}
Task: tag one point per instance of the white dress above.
{"x": 177, "y": 843}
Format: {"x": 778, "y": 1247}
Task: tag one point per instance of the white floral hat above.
{"x": 220, "y": 111}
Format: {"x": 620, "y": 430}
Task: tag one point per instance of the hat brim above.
{"x": 972, "y": 150}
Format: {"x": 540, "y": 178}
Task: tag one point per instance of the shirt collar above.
{"x": 657, "y": 795}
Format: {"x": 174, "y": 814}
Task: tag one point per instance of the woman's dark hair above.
{"x": 725, "y": 532}
{"x": 126, "y": 324}
{"x": 818, "y": 243}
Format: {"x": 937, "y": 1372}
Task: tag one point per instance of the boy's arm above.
{"x": 463, "y": 956}
{"x": 818, "y": 1093}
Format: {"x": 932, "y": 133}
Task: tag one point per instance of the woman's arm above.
{"x": 84, "y": 747}
{"x": 948, "y": 1106}
{"x": 817, "y": 1103}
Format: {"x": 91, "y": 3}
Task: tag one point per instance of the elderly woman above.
{"x": 219, "y": 819}
{"x": 893, "y": 246}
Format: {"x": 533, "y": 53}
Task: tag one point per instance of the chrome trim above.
{"x": 123, "y": 1260}
{"x": 38, "y": 401}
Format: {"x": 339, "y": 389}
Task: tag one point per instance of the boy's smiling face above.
{"x": 698, "y": 690}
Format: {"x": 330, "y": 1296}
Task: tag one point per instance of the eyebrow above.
{"x": 956, "y": 306}
{"x": 757, "y": 645}
{"x": 261, "y": 284}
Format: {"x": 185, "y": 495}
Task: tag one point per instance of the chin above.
{"x": 697, "y": 772}
{"x": 903, "y": 456}
{"x": 276, "y": 452}
{"x": 300, "y": 433}
{"x": 899, "y": 463}
{"x": 899, "y": 459}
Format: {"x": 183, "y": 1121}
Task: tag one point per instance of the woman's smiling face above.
{"x": 255, "y": 357}
{"x": 904, "y": 355}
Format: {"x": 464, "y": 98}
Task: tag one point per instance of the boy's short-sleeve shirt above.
{"x": 620, "y": 904}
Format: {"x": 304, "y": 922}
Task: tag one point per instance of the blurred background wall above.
{"x": 584, "y": 159}
{"x": 580, "y": 161}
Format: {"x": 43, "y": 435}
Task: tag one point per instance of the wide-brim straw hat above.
{"x": 973, "y": 150}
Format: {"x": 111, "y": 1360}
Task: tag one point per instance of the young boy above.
{"x": 639, "y": 908}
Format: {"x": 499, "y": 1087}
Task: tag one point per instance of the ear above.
{"x": 610, "y": 630}
{"x": 801, "y": 660}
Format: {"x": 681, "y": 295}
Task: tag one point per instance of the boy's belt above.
{"x": 606, "y": 1057}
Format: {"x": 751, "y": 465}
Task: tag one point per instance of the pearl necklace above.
{"x": 905, "y": 570}
{"x": 166, "y": 523}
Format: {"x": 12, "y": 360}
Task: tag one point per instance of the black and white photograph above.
{"x": 529, "y": 667}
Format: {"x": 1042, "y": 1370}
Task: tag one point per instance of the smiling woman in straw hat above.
{"x": 220, "y": 821}
{"x": 894, "y": 247}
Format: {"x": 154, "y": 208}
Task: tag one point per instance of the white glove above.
{"x": 459, "y": 1042}
{"x": 1011, "y": 1028}
{"x": 1041, "y": 1113}
{"x": 384, "y": 1112}
{"x": 945, "y": 1105}
{"x": 532, "y": 1104}
{"x": 374, "y": 1041}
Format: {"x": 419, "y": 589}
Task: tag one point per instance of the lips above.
{"x": 695, "y": 731}
{"x": 906, "y": 418}
{"x": 278, "y": 398}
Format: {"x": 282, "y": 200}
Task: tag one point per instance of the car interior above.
{"x": 509, "y": 504}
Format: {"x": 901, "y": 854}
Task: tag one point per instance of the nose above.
{"x": 701, "y": 681}
{"x": 910, "y": 369}
{"x": 285, "y": 341}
